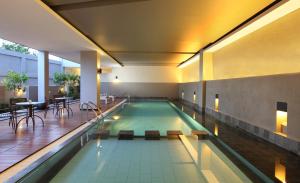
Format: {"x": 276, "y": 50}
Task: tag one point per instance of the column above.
{"x": 43, "y": 76}
{"x": 89, "y": 77}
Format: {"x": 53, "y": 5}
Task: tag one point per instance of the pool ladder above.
{"x": 93, "y": 107}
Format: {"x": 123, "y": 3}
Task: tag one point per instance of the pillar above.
{"x": 43, "y": 76}
{"x": 89, "y": 77}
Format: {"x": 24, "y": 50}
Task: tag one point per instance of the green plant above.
{"x": 68, "y": 82}
{"x": 16, "y": 47}
{"x": 59, "y": 78}
{"x": 15, "y": 82}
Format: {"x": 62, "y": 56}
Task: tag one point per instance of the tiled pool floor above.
{"x": 134, "y": 161}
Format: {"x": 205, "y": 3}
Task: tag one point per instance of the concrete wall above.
{"x": 189, "y": 89}
{"x": 142, "y": 81}
{"x": 253, "y": 100}
{"x": 32, "y": 92}
{"x": 190, "y": 73}
{"x": 22, "y": 63}
{"x": 143, "y": 74}
{"x": 134, "y": 89}
{"x": 274, "y": 49}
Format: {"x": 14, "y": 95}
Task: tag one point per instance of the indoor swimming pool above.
{"x": 185, "y": 159}
{"x": 153, "y": 115}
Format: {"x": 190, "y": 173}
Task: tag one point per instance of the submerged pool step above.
{"x": 101, "y": 134}
{"x": 148, "y": 135}
{"x": 173, "y": 134}
{"x": 152, "y": 135}
{"x": 126, "y": 135}
{"x": 202, "y": 135}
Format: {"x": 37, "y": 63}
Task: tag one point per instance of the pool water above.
{"x": 141, "y": 116}
{"x": 141, "y": 161}
{"x": 187, "y": 160}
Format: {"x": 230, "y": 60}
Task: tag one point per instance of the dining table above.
{"x": 30, "y": 106}
{"x": 65, "y": 105}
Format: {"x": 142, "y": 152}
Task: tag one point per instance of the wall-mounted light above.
{"x": 116, "y": 80}
{"x": 281, "y": 118}
{"x": 99, "y": 71}
{"x": 280, "y": 170}
{"x": 182, "y": 94}
{"x": 194, "y": 97}
{"x": 217, "y": 103}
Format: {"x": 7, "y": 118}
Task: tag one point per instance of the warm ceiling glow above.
{"x": 194, "y": 59}
{"x": 257, "y": 23}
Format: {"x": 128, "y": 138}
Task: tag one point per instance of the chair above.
{"x": 15, "y": 110}
{"x": 48, "y": 105}
{"x": 6, "y": 114}
{"x": 104, "y": 97}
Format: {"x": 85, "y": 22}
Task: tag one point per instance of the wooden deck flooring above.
{"x": 16, "y": 147}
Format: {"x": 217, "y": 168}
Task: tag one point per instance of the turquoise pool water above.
{"x": 187, "y": 160}
{"x": 141, "y": 116}
{"x": 142, "y": 161}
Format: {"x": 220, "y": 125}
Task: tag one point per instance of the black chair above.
{"x": 17, "y": 111}
{"x": 50, "y": 104}
{"x": 5, "y": 114}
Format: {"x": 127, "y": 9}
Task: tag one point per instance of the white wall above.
{"x": 144, "y": 74}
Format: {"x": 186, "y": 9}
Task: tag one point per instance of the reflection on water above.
{"x": 280, "y": 170}
{"x": 212, "y": 163}
{"x": 216, "y": 129}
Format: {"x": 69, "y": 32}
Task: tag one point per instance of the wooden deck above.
{"x": 16, "y": 147}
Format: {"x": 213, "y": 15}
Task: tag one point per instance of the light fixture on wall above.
{"x": 116, "y": 80}
{"x": 280, "y": 170}
{"x": 217, "y": 103}
{"x": 182, "y": 94}
{"x": 281, "y": 118}
{"x": 194, "y": 97}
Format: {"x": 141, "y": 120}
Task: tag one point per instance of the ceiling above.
{"x": 38, "y": 27}
{"x": 155, "y": 32}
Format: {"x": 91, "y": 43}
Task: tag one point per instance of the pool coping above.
{"x": 58, "y": 144}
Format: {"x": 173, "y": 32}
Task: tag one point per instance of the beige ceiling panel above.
{"x": 160, "y": 25}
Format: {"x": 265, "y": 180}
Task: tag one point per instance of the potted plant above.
{"x": 15, "y": 82}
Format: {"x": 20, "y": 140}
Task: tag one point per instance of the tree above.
{"x": 15, "y": 82}
{"x": 16, "y": 47}
{"x": 68, "y": 83}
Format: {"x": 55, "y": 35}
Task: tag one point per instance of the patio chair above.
{"x": 48, "y": 105}
{"x": 15, "y": 110}
{"x": 5, "y": 114}
{"x": 104, "y": 97}
{"x": 112, "y": 97}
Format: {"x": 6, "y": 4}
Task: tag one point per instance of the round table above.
{"x": 30, "y": 113}
{"x": 66, "y": 105}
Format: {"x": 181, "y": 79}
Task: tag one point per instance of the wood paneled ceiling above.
{"x": 155, "y": 32}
